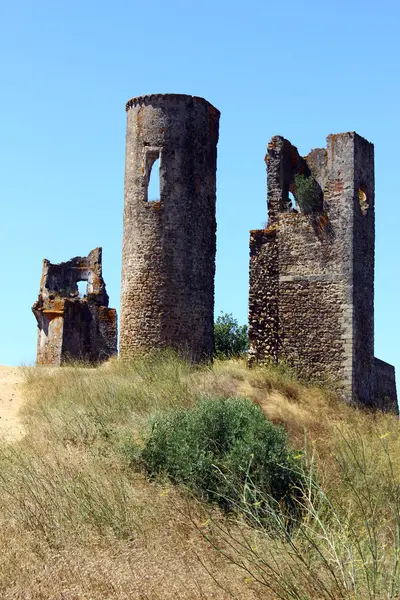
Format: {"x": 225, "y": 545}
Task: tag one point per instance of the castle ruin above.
{"x": 311, "y": 299}
{"x": 70, "y": 326}
{"x": 169, "y": 241}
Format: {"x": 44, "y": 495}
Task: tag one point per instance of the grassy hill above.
{"x": 81, "y": 519}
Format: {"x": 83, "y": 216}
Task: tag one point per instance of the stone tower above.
{"x": 312, "y": 269}
{"x": 169, "y": 242}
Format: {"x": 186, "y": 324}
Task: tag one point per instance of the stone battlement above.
{"x": 164, "y": 99}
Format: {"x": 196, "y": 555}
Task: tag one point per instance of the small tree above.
{"x": 307, "y": 193}
{"x": 225, "y": 450}
{"x": 230, "y": 338}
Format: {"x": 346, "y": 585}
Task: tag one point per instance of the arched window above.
{"x": 363, "y": 200}
{"x": 153, "y": 186}
{"x": 152, "y": 165}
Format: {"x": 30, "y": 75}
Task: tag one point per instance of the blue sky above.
{"x": 299, "y": 69}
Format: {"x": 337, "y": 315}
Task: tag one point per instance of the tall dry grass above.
{"x": 78, "y": 522}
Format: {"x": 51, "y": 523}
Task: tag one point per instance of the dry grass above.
{"x": 78, "y": 523}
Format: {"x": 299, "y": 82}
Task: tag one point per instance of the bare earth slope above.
{"x": 11, "y": 380}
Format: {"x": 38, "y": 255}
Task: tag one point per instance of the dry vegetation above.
{"x": 79, "y": 522}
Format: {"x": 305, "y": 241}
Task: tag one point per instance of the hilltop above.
{"x": 80, "y": 519}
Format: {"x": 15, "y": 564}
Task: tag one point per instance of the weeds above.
{"x": 78, "y": 521}
{"x": 342, "y": 544}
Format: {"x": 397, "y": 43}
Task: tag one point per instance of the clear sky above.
{"x": 299, "y": 69}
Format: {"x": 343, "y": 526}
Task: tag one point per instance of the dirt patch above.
{"x": 11, "y": 381}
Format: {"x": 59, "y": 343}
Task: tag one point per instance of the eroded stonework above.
{"x": 169, "y": 239}
{"x": 312, "y": 272}
{"x": 70, "y": 326}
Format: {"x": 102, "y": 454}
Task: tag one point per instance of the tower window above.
{"x": 362, "y": 197}
{"x": 153, "y": 188}
{"x": 152, "y": 174}
{"x": 82, "y": 288}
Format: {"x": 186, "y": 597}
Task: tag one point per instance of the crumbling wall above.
{"x": 385, "y": 386}
{"x": 312, "y": 273}
{"x": 169, "y": 242}
{"x": 363, "y": 269}
{"x": 70, "y": 326}
{"x": 264, "y": 296}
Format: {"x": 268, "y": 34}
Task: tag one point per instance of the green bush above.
{"x": 223, "y": 450}
{"x": 230, "y": 339}
{"x": 307, "y": 193}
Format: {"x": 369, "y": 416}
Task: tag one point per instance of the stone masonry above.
{"x": 312, "y": 272}
{"x": 169, "y": 242}
{"x": 70, "y": 326}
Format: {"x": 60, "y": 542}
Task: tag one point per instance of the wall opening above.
{"x": 291, "y": 201}
{"x": 308, "y": 194}
{"x": 152, "y": 172}
{"x": 82, "y": 288}
{"x": 153, "y": 189}
{"x": 363, "y": 200}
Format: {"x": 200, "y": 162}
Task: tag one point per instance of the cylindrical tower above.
{"x": 169, "y": 242}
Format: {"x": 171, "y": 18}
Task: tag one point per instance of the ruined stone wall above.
{"x": 318, "y": 274}
{"x": 385, "y": 386}
{"x": 363, "y": 270}
{"x": 169, "y": 243}
{"x": 309, "y": 281}
{"x": 312, "y": 298}
{"x": 297, "y": 299}
{"x": 71, "y": 327}
{"x": 50, "y": 336}
{"x": 264, "y": 296}
{"x": 89, "y": 332}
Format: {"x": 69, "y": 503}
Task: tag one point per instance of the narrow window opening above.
{"x": 153, "y": 177}
{"x": 362, "y": 197}
{"x": 82, "y": 289}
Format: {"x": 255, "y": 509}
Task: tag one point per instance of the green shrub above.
{"x": 222, "y": 450}
{"x": 307, "y": 193}
{"x": 230, "y": 339}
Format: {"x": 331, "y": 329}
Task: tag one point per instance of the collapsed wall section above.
{"x": 318, "y": 265}
{"x": 70, "y": 326}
